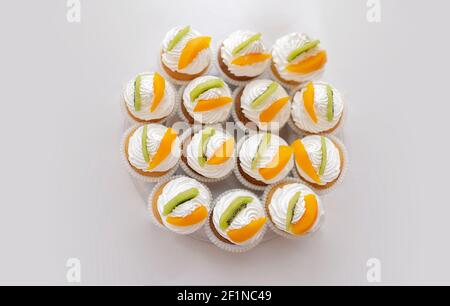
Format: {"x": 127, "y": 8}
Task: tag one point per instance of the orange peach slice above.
{"x": 164, "y": 150}
{"x": 250, "y": 59}
{"x": 303, "y": 160}
{"x": 309, "y": 217}
{"x": 207, "y": 105}
{"x": 310, "y": 64}
{"x": 308, "y": 101}
{"x": 197, "y": 216}
{"x": 280, "y": 161}
{"x": 268, "y": 114}
{"x": 223, "y": 153}
{"x": 192, "y": 49}
{"x": 245, "y": 233}
{"x": 159, "y": 86}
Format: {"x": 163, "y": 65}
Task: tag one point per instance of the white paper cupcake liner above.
{"x": 180, "y": 82}
{"x": 131, "y": 170}
{"x": 341, "y": 177}
{"x": 232, "y": 248}
{"x": 274, "y": 228}
{"x": 155, "y": 219}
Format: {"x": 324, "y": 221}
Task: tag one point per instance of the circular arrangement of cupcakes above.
{"x": 271, "y": 89}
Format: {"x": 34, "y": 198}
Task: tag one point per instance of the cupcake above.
{"x": 238, "y": 218}
{"x": 243, "y": 56}
{"x": 149, "y": 98}
{"x": 180, "y": 204}
{"x": 293, "y": 209}
{"x": 263, "y": 159}
{"x": 209, "y": 154}
{"x": 317, "y": 108}
{"x": 152, "y": 150}
{"x": 319, "y": 160}
{"x": 206, "y": 100}
{"x": 296, "y": 59}
{"x": 264, "y": 104}
{"x": 185, "y": 54}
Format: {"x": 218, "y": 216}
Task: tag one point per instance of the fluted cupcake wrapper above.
{"x": 155, "y": 220}
{"x": 232, "y": 248}
{"x": 130, "y": 169}
{"x": 341, "y": 178}
{"x": 272, "y": 225}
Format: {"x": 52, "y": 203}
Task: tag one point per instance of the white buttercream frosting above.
{"x": 209, "y": 117}
{"x": 255, "y": 89}
{"x": 279, "y": 204}
{"x": 303, "y": 120}
{"x": 164, "y": 108}
{"x": 252, "y": 212}
{"x": 171, "y": 190}
{"x": 281, "y": 50}
{"x": 248, "y": 152}
{"x": 214, "y": 143}
{"x": 155, "y": 134}
{"x": 313, "y": 147}
{"x": 172, "y": 57}
{"x": 233, "y": 41}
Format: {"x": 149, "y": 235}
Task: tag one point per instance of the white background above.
{"x": 64, "y": 192}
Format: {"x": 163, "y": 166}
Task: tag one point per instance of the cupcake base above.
{"x": 276, "y": 75}
{"x": 227, "y": 72}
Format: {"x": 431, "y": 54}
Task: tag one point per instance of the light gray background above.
{"x": 65, "y": 193}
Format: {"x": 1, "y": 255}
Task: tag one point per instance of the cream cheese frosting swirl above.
{"x": 214, "y": 143}
{"x": 172, "y": 57}
{"x": 216, "y": 115}
{"x": 233, "y": 41}
{"x": 253, "y": 90}
{"x": 303, "y": 120}
{"x": 171, "y": 190}
{"x": 248, "y": 151}
{"x": 279, "y": 205}
{"x": 252, "y": 212}
{"x": 164, "y": 108}
{"x": 313, "y": 147}
{"x": 281, "y": 50}
{"x": 155, "y": 134}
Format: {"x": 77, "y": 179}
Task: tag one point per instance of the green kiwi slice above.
{"x": 323, "y": 163}
{"x": 266, "y": 94}
{"x": 179, "y": 199}
{"x": 205, "y": 86}
{"x": 330, "y": 105}
{"x": 306, "y": 47}
{"x": 262, "y": 147}
{"x": 206, "y": 135}
{"x": 233, "y": 210}
{"x": 137, "y": 93}
{"x": 291, "y": 209}
{"x": 144, "y": 144}
{"x": 178, "y": 37}
{"x": 244, "y": 44}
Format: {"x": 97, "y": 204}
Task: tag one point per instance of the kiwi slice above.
{"x": 244, "y": 44}
{"x": 291, "y": 208}
{"x": 306, "y": 47}
{"x": 179, "y": 199}
{"x": 233, "y": 210}
{"x": 330, "y": 105}
{"x": 205, "y": 86}
{"x": 323, "y": 163}
{"x": 262, "y": 147}
{"x": 178, "y": 37}
{"x": 206, "y": 135}
{"x": 137, "y": 93}
{"x": 144, "y": 144}
{"x": 266, "y": 94}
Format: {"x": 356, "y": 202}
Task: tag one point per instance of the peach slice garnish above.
{"x": 303, "y": 160}
{"x": 210, "y": 104}
{"x": 223, "y": 153}
{"x": 309, "y": 217}
{"x": 250, "y": 59}
{"x": 197, "y": 216}
{"x": 308, "y": 101}
{"x": 277, "y": 164}
{"x": 245, "y": 233}
{"x": 164, "y": 150}
{"x": 310, "y": 64}
{"x": 268, "y": 114}
{"x": 159, "y": 86}
{"x": 192, "y": 49}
